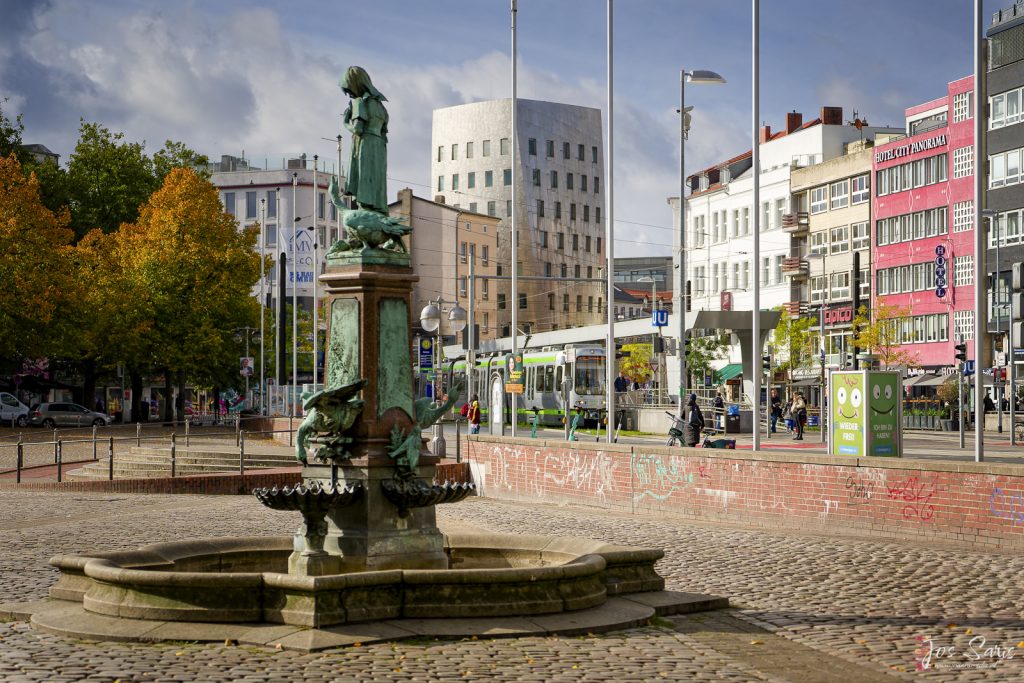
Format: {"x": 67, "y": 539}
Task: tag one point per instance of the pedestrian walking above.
{"x": 474, "y": 415}
{"x": 719, "y": 412}
{"x": 776, "y": 408}
{"x": 799, "y": 410}
{"x": 694, "y": 422}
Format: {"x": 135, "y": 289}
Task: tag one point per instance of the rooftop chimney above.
{"x": 793, "y": 121}
{"x": 766, "y": 134}
{"x": 832, "y": 116}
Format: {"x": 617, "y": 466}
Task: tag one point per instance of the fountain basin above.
{"x": 245, "y": 580}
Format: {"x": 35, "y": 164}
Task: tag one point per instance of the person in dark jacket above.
{"x": 694, "y": 422}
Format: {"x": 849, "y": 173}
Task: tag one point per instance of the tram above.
{"x": 554, "y": 381}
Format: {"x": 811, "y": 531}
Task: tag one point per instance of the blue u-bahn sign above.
{"x": 659, "y": 318}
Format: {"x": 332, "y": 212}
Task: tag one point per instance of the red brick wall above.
{"x": 969, "y": 503}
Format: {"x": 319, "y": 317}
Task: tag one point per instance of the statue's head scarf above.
{"x": 356, "y": 83}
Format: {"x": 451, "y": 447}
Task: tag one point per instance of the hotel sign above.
{"x": 912, "y": 148}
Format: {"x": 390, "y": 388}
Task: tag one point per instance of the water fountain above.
{"x": 368, "y": 548}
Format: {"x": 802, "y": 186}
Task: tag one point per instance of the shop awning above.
{"x": 933, "y": 381}
{"x": 807, "y": 382}
{"x": 919, "y": 380}
{"x": 728, "y": 372}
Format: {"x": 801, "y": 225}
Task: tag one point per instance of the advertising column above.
{"x": 865, "y": 413}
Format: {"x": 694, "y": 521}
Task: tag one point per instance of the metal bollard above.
{"x": 238, "y": 427}
{"x": 187, "y": 422}
{"x": 241, "y": 453}
{"x": 94, "y": 443}
{"x": 458, "y": 441}
{"x": 138, "y": 433}
{"x": 290, "y": 430}
{"x": 54, "y": 446}
{"x": 174, "y": 456}
{"x": 21, "y": 460}
{"x": 60, "y": 462}
{"x": 110, "y": 460}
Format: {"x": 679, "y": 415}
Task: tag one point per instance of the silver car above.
{"x": 52, "y": 415}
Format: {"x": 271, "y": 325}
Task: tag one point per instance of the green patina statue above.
{"x": 330, "y": 412}
{"x": 405, "y": 446}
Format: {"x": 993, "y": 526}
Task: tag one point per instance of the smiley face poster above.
{"x": 883, "y": 413}
{"x": 847, "y": 407}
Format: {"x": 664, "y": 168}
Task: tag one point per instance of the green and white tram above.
{"x": 554, "y": 381}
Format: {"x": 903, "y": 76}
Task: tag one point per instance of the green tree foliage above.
{"x": 878, "y": 333}
{"x": 794, "y": 347}
{"x": 703, "y": 351}
{"x": 34, "y": 264}
{"x": 10, "y": 137}
{"x": 177, "y": 155}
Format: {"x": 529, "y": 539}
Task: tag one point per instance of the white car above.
{"x": 11, "y": 409}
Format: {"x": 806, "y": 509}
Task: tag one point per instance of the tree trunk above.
{"x": 89, "y": 384}
{"x": 216, "y": 404}
{"x": 179, "y": 403}
{"x": 168, "y": 397}
{"x": 138, "y": 413}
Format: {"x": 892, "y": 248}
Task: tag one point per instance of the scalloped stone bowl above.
{"x": 246, "y": 580}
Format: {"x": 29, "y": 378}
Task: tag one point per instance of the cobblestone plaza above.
{"x": 807, "y": 608}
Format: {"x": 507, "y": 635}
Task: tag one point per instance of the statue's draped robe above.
{"x": 368, "y": 163}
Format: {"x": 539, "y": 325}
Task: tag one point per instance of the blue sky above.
{"x": 229, "y": 76}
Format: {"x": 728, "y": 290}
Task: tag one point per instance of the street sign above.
{"x": 515, "y": 382}
{"x": 659, "y": 318}
{"x": 653, "y": 365}
{"x": 940, "y": 271}
{"x": 968, "y": 367}
{"x": 426, "y": 354}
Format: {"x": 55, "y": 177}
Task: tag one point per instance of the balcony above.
{"x": 796, "y": 268}
{"x": 795, "y": 308}
{"x": 796, "y": 223}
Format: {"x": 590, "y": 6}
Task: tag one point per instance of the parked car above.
{"x": 52, "y": 415}
{"x": 11, "y": 409}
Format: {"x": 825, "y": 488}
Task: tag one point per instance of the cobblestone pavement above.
{"x": 810, "y": 608}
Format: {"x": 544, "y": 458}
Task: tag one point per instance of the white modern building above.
{"x": 283, "y": 201}
{"x": 719, "y": 225}
{"x": 559, "y": 177}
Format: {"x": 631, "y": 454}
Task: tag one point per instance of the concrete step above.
{"x": 229, "y": 461}
{"x": 162, "y": 468}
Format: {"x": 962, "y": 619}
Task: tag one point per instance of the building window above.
{"x": 485, "y": 289}
{"x": 563, "y": 270}
{"x": 1004, "y": 168}
{"x": 484, "y": 252}
{"x": 766, "y": 214}
{"x": 472, "y": 207}
{"x": 440, "y": 153}
{"x": 469, "y": 150}
{"x": 818, "y": 288}
{"x": 819, "y": 243}
{"x": 565, "y": 303}
{"x": 583, "y": 183}
{"x": 576, "y": 271}
{"x": 572, "y": 211}
{"x": 558, "y": 211}
{"x": 501, "y": 302}
{"x": 455, "y": 152}
{"x": 440, "y": 183}
{"x": 536, "y": 177}
{"x": 554, "y": 180}
{"x": 840, "y": 238}
{"x": 963, "y": 162}
{"x": 229, "y": 202}
{"x": 547, "y": 269}
{"x": 963, "y": 216}
{"x": 581, "y": 152}
{"x": 963, "y": 325}
{"x": 455, "y": 182}
{"x": 522, "y": 301}
{"x": 819, "y": 199}
{"x": 531, "y": 146}
{"x": 779, "y": 258}
{"x": 963, "y": 270}
{"x": 861, "y": 236}
{"x": 597, "y": 185}
{"x": 488, "y": 178}
{"x": 597, "y": 214}
{"x": 543, "y": 238}
{"x": 962, "y": 103}
{"x": 470, "y": 180}
{"x": 593, "y": 154}
{"x": 508, "y": 210}
{"x": 586, "y": 213}
{"x": 861, "y": 189}
{"x": 551, "y": 302}
{"x": 840, "y": 194}
{"x": 599, "y": 240}
{"x": 840, "y": 286}
{"x": 507, "y": 176}
{"x": 565, "y": 150}
{"x": 492, "y": 208}
{"x": 540, "y": 208}
{"x": 590, "y": 304}
{"x": 250, "y": 205}
{"x": 568, "y": 181}
{"x": 487, "y": 148}
{"x": 560, "y": 240}
{"x": 579, "y": 303}
{"x": 462, "y": 286}
{"x": 586, "y": 244}
{"x": 1005, "y": 108}
{"x": 503, "y": 146}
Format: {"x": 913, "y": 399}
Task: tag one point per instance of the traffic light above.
{"x": 659, "y": 345}
{"x": 848, "y": 360}
{"x": 619, "y": 353}
{"x": 766, "y": 362}
{"x": 686, "y": 348}
{"x": 961, "y": 352}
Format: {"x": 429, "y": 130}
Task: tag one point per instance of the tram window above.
{"x": 558, "y": 378}
{"x": 549, "y": 378}
{"x": 539, "y": 378}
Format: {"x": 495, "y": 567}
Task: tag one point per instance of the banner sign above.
{"x": 514, "y": 382}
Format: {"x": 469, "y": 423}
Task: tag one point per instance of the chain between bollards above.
{"x": 241, "y": 453}
{"x": 174, "y": 455}
{"x": 110, "y": 459}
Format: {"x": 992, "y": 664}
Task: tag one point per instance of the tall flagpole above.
{"x": 756, "y": 352}
{"x": 293, "y": 398}
{"x": 316, "y": 266}
{"x": 263, "y": 299}
{"x": 609, "y": 240}
{"x": 980, "y": 313}
{"x": 514, "y": 233}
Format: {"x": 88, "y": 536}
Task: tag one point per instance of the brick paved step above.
{"x": 152, "y": 462}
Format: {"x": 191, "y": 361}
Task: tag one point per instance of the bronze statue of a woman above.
{"x": 367, "y": 120}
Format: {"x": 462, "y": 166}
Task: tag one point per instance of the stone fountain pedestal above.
{"x": 369, "y": 321}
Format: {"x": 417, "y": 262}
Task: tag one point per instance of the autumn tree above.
{"x": 34, "y": 251}
{"x": 878, "y": 333}
{"x": 637, "y": 362}
{"x": 10, "y": 136}
{"x": 197, "y": 271}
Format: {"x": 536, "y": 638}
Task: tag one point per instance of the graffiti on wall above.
{"x": 658, "y": 476}
{"x": 915, "y": 496}
{"x": 1007, "y": 505}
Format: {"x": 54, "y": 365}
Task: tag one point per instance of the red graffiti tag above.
{"x": 916, "y": 494}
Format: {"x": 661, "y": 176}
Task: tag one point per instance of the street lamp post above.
{"x": 430, "y": 319}
{"x": 316, "y": 302}
{"x": 263, "y": 295}
{"x": 696, "y": 76}
{"x": 993, "y": 221}
{"x": 292, "y": 399}
{"x": 654, "y": 296}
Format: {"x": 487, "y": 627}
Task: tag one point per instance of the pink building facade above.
{"x": 923, "y": 232}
